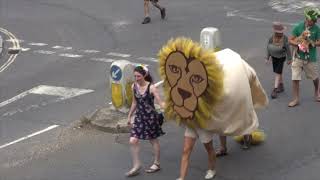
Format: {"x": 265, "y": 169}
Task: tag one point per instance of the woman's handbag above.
{"x": 160, "y": 117}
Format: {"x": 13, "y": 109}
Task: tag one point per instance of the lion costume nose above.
{"x": 184, "y": 94}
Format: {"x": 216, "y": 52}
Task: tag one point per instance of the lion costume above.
{"x": 214, "y": 91}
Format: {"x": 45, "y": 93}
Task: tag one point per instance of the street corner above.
{"x": 109, "y": 120}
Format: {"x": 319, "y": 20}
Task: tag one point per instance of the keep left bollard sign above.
{"x": 116, "y": 73}
{"x": 121, "y": 78}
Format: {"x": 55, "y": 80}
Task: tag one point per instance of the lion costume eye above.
{"x": 196, "y": 79}
{"x": 174, "y": 69}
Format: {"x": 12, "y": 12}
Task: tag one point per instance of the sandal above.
{"x": 221, "y": 152}
{"x": 152, "y": 170}
{"x": 293, "y": 103}
{"x": 133, "y": 172}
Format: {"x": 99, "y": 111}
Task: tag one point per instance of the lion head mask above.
{"x": 193, "y": 81}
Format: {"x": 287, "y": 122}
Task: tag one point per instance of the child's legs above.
{"x": 277, "y": 64}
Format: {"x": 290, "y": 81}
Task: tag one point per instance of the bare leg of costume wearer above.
{"x": 316, "y": 89}
{"x": 223, "y": 146}
{"x": 187, "y": 149}
{"x": 135, "y": 149}
{"x": 156, "y": 150}
{"x": 295, "y": 89}
{"x": 247, "y": 138}
{"x": 211, "y": 155}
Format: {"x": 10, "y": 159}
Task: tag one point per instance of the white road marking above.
{"x": 236, "y": 13}
{"x": 292, "y": 6}
{"x": 62, "y": 47}
{"x": 63, "y": 92}
{"x": 37, "y": 44}
{"x": 107, "y": 60}
{"x": 29, "y": 136}
{"x": 118, "y": 54}
{"x": 148, "y": 59}
{"x": 18, "y": 40}
{"x": 44, "y": 52}
{"x": 90, "y": 51}
{"x": 71, "y": 55}
{"x": 15, "y": 45}
{"x": 25, "y": 49}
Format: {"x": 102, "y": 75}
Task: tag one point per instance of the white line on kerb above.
{"x": 29, "y": 136}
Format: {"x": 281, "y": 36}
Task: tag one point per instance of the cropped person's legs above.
{"x": 187, "y": 149}
{"x": 147, "y": 18}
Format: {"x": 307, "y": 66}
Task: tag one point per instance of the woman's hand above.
{"x": 268, "y": 60}
{"x": 129, "y": 122}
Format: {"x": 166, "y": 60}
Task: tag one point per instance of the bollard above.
{"x": 121, "y": 79}
{"x": 210, "y": 38}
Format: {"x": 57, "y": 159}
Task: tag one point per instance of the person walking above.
{"x": 278, "y": 51}
{"x": 155, "y": 3}
{"x": 145, "y": 125}
{"x": 305, "y": 58}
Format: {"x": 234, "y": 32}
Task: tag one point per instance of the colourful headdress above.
{"x": 312, "y": 13}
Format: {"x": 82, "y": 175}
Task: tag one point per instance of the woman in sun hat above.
{"x": 278, "y": 51}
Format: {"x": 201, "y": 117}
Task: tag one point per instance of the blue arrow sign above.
{"x": 116, "y": 73}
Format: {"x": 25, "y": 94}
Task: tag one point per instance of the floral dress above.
{"x": 146, "y": 125}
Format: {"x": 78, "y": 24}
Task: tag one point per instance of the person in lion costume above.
{"x": 208, "y": 93}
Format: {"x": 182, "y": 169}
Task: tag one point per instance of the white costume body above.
{"x": 235, "y": 113}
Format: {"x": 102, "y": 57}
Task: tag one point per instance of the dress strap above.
{"x": 148, "y": 89}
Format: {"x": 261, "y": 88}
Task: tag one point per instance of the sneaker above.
{"x": 163, "y": 13}
{"x": 210, "y": 174}
{"x": 274, "y": 93}
{"x": 146, "y": 20}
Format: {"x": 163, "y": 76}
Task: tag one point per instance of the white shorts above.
{"x": 310, "y": 69}
{"x": 204, "y": 135}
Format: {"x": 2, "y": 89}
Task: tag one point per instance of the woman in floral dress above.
{"x": 145, "y": 125}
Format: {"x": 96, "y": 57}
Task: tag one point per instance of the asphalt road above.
{"x": 70, "y": 44}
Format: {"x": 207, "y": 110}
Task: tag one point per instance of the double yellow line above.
{"x": 16, "y": 45}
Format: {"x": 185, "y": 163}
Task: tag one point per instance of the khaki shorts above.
{"x": 204, "y": 135}
{"x": 309, "y": 68}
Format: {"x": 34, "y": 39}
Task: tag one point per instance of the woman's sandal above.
{"x": 133, "y": 172}
{"x": 152, "y": 170}
{"x": 221, "y": 152}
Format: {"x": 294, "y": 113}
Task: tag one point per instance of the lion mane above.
{"x": 212, "y": 89}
